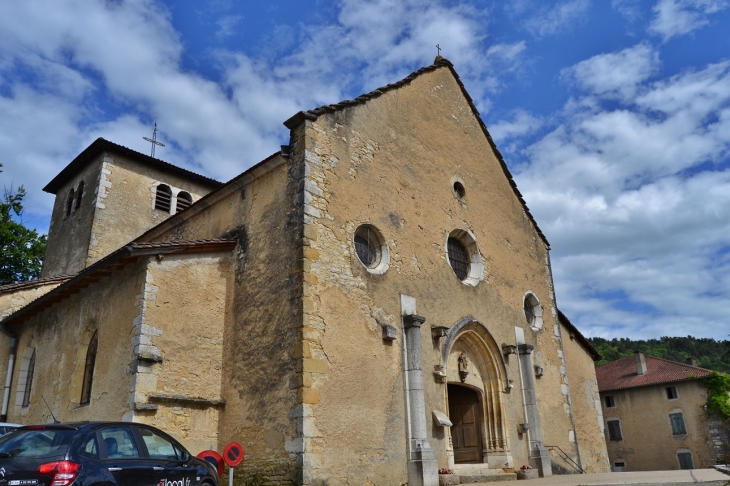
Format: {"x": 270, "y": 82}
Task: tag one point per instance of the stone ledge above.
{"x": 185, "y": 399}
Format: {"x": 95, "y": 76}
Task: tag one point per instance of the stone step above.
{"x": 481, "y": 473}
{"x": 488, "y": 478}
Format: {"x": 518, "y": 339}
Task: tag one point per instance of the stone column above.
{"x": 538, "y": 453}
{"x": 422, "y": 464}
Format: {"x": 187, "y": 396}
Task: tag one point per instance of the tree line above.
{"x": 710, "y": 354}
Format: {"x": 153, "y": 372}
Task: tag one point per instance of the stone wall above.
{"x": 392, "y": 163}
{"x": 586, "y": 402}
{"x": 60, "y": 336}
{"x": 262, "y": 365}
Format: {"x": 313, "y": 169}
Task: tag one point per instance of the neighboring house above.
{"x": 367, "y": 305}
{"x": 655, "y": 415}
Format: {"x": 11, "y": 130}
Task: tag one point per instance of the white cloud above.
{"x": 561, "y": 17}
{"x": 615, "y": 74}
{"x": 629, "y": 9}
{"x": 637, "y": 222}
{"x": 678, "y": 17}
{"x": 522, "y": 123}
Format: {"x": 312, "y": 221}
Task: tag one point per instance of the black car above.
{"x": 99, "y": 454}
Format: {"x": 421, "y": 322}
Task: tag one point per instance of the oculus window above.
{"x": 371, "y": 249}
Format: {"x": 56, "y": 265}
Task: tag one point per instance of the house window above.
{"x": 685, "y": 460}
{"x": 29, "y": 380}
{"x": 614, "y": 430}
{"x": 184, "y": 200}
{"x": 79, "y": 195}
{"x": 610, "y": 403}
{"x": 163, "y": 198}
{"x": 671, "y": 392}
{"x": 89, "y": 370}
{"x": 677, "y": 421}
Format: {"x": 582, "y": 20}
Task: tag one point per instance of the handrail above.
{"x": 566, "y": 456}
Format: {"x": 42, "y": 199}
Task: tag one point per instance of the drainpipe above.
{"x": 9, "y": 378}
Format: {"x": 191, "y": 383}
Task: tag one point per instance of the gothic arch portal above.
{"x": 484, "y": 371}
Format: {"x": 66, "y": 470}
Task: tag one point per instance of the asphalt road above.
{"x": 709, "y": 477}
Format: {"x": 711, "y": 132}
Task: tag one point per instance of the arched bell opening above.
{"x": 476, "y": 378}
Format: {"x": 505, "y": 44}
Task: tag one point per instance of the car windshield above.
{"x": 35, "y": 443}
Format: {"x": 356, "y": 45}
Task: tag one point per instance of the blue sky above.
{"x": 614, "y": 116}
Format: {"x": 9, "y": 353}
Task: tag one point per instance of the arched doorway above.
{"x": 475, "y": 374}
{"x": 465, "y": 412}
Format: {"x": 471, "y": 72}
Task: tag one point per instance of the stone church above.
{"x": 368, "y": 305}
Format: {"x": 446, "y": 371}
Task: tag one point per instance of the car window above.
{"x": 91, "y": 447}
{"x": 119, "y": 443}
{"x": 35, "y": 443}
{"x": 159, "y": 447}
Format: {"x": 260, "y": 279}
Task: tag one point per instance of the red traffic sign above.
{"x": 214, "y": 458}
{"x": 233, "y": 454}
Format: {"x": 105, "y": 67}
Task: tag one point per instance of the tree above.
{"x": 21, "y": 249}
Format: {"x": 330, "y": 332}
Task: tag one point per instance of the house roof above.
{"x": 622, "y": 374}
{"x": 578, "y": 336}
{"x": 29, "y": 284}
{"x": 108, "y": 265}
{"x": 101, "y": 145}
{"x": 440, "y": 62}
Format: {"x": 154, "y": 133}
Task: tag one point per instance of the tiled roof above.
{"x": 621, "y": 374}
{"x": 298, "y": 118}
{"x": 33, "y": 283}
{"x": 100, "y": 145}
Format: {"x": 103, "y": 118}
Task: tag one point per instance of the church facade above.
{"x": 368, "y": 305}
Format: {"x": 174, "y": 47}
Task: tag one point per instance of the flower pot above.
{"x": 449, "y": 479}
{"x": 527, "y": 474}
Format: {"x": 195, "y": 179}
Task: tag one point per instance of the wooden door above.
{"x": 465, "y": 414}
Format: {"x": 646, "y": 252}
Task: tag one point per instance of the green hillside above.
{"x": 710, "y": 354}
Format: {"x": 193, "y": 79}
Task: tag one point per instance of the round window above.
{"x": 533, "y": 311}
{"x": 458, "y": 258}
{"x": 464, "y": 257}
{"x": 371, "y": 249}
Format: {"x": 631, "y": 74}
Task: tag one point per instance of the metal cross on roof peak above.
{"x": 154, "y": 141}
{"x": 438, "y": 47}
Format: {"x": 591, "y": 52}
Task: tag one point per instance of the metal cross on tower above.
{"x": 438, "y": 53}
{"x": 154, "y": 141}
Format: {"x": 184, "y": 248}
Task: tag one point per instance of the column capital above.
{"x": 413, "y": 320}
{"x": 526, "y": 348}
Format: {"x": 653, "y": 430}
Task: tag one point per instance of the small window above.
{"x": 671, "y": 392}
{"x": 459, "y": 190}
{"x": 89, "y": 370}
{"x": 70, "y": 202}
{"x": 610, "y": 403}
{"x": 371, "y": 249}
{"x": 685, "y": 460}
{"x": 533, "y": 311}
{"x": 677, "y": 421}
{"x": 79, "y": 195}
{"x": 619, "y": 464}
{"x": 29, "y": 380}
{"x": 163, "y": 198}
{"x": 458, "y": 258}
{"x": 184, "y": 200}
{"x": 614, "y": 430}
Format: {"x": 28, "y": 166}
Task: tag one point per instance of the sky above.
{"x": 613, "y": 116}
